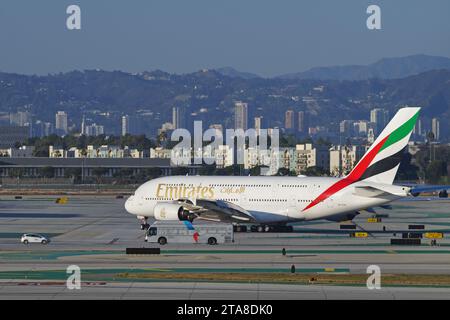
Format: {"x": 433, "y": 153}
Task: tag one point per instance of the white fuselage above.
{"x": 268, "y": 199}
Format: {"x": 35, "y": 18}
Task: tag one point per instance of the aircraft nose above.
{"x": 129, "y": 205}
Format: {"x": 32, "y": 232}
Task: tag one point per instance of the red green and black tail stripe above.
{"x": 383, "y": 165}
{"x": 365, "y": 167}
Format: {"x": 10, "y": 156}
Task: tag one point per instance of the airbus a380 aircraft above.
{"x": 271, "y": 200}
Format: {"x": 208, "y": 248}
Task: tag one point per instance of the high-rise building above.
{"x": 258, "y": 125}
{"x": 302, "y": 122}
{"x": 417, "y": 131}
{"x": 361, "y": 127}
{"x": 177, "y": 117}
{"x": 20, "y": 118}
{"x": 289, "y": 120}
{"x": 49, "y": 129}
{"x": 241, "y": 115}
{"x": 38, "y": 129}
{"x": 380, "y": 118}
{"x": 370, "y": 135}
{"x": 95, "y": 130}
{"x": 435, "y": 128}
{"x": 346, "y": 127}
{"x": 61, "y": 123}
{"x": 125, "y": 125}
{"x": 83, "y": 125}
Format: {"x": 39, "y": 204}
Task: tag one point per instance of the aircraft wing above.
{"x": 379, "y": 191}
{"x": 370, "y": 192}
{"x": 219, "y": 210}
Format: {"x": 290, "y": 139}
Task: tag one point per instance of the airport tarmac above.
{"x": 215, "y": 291}
{"x": 94, "y": 231}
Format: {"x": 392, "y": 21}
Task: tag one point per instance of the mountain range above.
{"x": 209, "y": 95}
{"x": 387, "y": 68}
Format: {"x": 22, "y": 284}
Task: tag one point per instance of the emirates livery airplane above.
{"x": 279, "y": 200}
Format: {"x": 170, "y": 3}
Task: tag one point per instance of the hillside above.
{"x": 209, "y": 95}
{"x": 387, "y": 68}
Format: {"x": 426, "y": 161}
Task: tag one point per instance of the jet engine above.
{"x": 343, "y": 217}
{"x": 172, "y": 212}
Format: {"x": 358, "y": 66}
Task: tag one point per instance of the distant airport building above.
{"x": 21, "y": 152}
{"x": 104, "y": 151}
{"x": 61, "y": 123}
{"x": 241, "y": 115}
{"x": 88, "y": 167}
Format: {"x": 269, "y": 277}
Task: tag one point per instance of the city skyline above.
{"x": 295, "y": 124}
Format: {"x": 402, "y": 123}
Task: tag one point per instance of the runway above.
{"x": 219, "y": 291}
{"x": 94, "y": 231}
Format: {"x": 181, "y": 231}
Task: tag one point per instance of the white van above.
{"x": 163, "y": 232}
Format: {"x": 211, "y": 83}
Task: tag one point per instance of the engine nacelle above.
{"x": 343, "y": 217}
{"x": 171, "y": 212}
{"x": 167, "y": 211}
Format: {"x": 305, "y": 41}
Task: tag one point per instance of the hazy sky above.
{"x": 261, "y": 36}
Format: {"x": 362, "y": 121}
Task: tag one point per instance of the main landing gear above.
{"x": 264, "y": 228}
{"x": 271, "y": 228}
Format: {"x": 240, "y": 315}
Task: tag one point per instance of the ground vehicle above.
{"x": 33, "y": 238}
{"x": 164, "y": 232}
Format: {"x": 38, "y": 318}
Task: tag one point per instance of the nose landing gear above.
{"x": 144, "y": 224}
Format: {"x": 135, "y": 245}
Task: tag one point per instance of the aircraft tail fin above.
{"x": 380, "y": 163}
